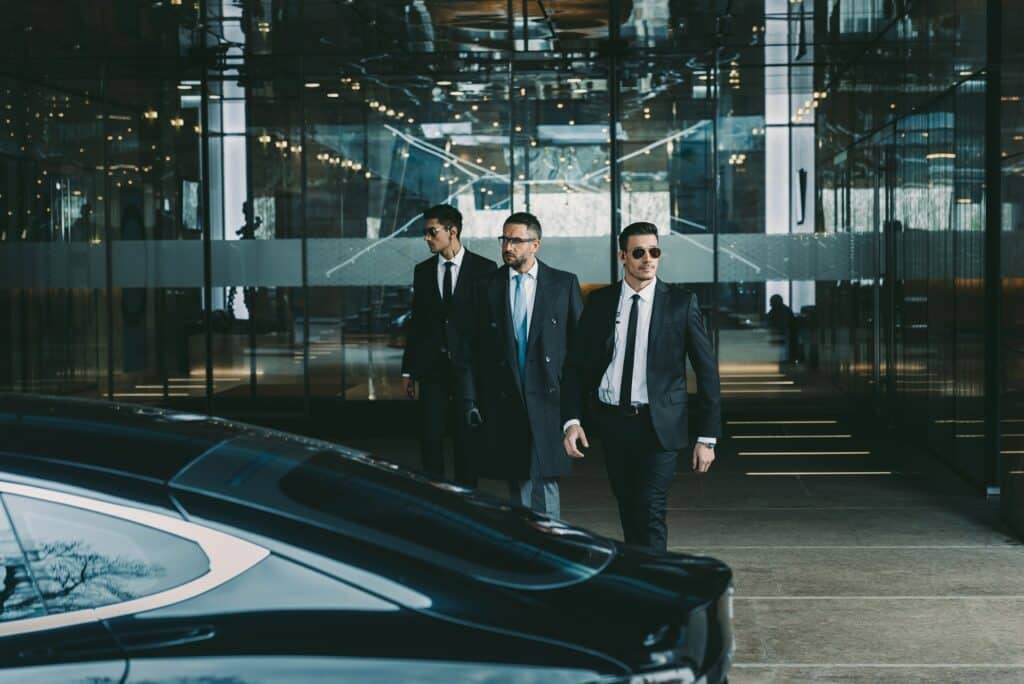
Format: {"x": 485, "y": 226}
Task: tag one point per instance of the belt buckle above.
{"x": 632, "y": 410}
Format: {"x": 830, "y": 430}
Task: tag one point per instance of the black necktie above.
{"x": 446, "y": 288}
{"x": 626, "y": 388}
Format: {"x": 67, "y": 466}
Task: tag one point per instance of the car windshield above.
{"x": 455, "y": 529}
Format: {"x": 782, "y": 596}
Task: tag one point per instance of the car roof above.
{"x": 131, "y": 440}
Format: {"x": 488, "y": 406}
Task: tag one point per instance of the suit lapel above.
{"x": 541, "y": 298}
{"x": 608, "y": 348}
{"x": 432, "y": 286}
{"x": 501, "y": 307}
{"x": 464, "y": 274}
{"x": 661, "y": 303}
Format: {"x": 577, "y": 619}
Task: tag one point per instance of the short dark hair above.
{"x": 527, "y": 219}
{"x": 447, "y": 215}
{"x": 638, "y": 228}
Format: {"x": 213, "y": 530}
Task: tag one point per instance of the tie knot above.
{"x": 449, "y": 264}
{"x": 636, "y": 297}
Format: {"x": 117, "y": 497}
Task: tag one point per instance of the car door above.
{"x": 74, "y": 563}
{"x": 34, "y": 645}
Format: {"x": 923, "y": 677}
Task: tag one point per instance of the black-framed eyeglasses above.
{"x": 502, "y": 240}
{"x": 638, "y": 252}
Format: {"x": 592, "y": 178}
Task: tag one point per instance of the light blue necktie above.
{"x": 519, "y": 322}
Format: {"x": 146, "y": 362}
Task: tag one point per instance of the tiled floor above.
{"x": 901, "y": 575}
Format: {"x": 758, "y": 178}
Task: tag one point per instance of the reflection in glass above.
{"x": 81, "y": 559}
{"x": 19, "y": 597}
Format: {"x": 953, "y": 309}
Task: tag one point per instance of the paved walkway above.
{"x": 898, "y": 573}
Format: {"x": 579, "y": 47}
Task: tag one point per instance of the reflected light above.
{"x": 758, "y": 382}
{"x": 825, "y": 473}
{"x": 781, "y": 422}
{"x": 792, "y": 437}
{"x": 804, "y": 453}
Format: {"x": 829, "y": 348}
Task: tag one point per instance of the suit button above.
{"x": 493, "y": 324}
{"x": 554, "y": 321}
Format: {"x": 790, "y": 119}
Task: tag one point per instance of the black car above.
{"x": 141, "y": 545}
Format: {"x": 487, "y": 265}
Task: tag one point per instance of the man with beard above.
{"x": 442, "y": 287}
{"x": 525, "y": 316}
{"x": 628, "y": 369}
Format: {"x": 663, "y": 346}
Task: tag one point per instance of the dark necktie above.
{"x": 626, "y": 388}
{"x": 446, "y": 288}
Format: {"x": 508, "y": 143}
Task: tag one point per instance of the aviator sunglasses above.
{"x": 433, "y": 231}
{"x": 638, "y": 252}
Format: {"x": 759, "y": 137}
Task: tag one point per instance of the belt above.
{"x": 629, "y": 411}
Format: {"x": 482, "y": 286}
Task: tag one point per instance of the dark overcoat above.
{"x": 520, "y": 414}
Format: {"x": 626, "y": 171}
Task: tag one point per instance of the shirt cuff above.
{"x": 569, "y": 424}
{"x": 709, "y": 441}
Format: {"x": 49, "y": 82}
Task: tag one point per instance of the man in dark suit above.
{"x": 628, "y": 371}
{"x": 442, "y": 287}
{"x": 525, "y": 316}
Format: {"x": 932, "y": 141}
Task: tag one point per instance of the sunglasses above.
{"x": 514, "y": 240}
{"x": 433, "y": 231}
{"x": 638, "y": 252}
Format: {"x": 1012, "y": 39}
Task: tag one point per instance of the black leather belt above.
{"x": 628, "y": 411}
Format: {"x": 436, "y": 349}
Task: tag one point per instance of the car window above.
{"x": 83, "y": 559}
{"x": 18, "y": 597}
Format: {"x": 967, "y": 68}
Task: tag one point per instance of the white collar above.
{"x": 457, "y": 259}
{"x": 646, "y": 293}
{"x": 512, "y": 273}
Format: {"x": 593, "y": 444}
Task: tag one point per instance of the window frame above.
{"x": 228, "y": 558}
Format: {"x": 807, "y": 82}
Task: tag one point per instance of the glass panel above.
{"x": 81, "y": 559}
{"x": 20, "y": 597}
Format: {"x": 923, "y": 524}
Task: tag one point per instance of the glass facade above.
{"x": 214, "y": 204}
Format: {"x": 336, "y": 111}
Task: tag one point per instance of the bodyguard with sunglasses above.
{"x": 525, "y": 316}
{"x": 442, "y": 287}
{"x": 627, "y": 369}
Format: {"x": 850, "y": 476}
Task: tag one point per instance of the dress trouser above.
{"x": 440, "y": 415}
{"x": 640, "y": 472}
{"x": 538, "y": 493}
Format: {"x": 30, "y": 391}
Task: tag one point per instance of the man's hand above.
{"x": 569, "y": 441}
{"x": 410, "y": 388}
{"x": 703, "y": 456}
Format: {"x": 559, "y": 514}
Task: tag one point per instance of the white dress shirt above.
{"x": 611, "y": 381}
{"x": 529, "y": 289}
{"x": 457, "y": 261}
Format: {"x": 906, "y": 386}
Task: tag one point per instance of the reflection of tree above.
{"x": 71, "y": 576}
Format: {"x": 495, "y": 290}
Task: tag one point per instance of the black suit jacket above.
{"x": 520, "y": 414}
{"x": 432, "y": 323}
{"x": 677, "y": 332}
